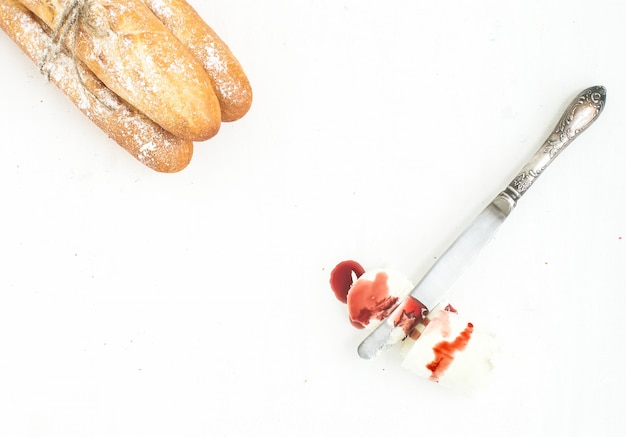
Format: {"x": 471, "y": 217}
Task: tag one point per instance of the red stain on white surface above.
{"x": 370, "y": 299}
{"x": 445, "y": 350}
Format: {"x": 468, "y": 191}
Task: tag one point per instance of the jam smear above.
{"x": 412, "y": 313}
{"x": 341, "y": 278}
{"x": 370, "y": 299}
{"x": 445, "y": 350}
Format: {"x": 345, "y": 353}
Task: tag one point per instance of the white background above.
{"x": 134, "y": 303}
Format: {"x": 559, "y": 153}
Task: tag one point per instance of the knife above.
{"x": 433, "y": 287}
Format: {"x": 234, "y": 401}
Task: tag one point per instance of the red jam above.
{"x": 370, "y": 299}
{"x": 445, "y": 350}
{"x": 413, "y": 312}
{"x": 341, "y": 278}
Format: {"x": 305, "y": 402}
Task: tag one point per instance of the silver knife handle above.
{"x": 578, "y": 116}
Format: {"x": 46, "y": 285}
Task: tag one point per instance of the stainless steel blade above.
{"x": 458, "y": 256}
{"x": 433, "y": 287}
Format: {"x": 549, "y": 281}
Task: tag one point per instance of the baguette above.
{"x": 137, "y": 134}
{"x": 130, "y": 50}
{"x": 230, "y": 83}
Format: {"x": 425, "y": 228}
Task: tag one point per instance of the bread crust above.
{"x": 230, "y": 83}
{"x": 132, "y": 52}
{"x": 136, "y": 133}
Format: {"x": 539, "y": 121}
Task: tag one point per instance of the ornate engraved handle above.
{"x": 578, "y": 116}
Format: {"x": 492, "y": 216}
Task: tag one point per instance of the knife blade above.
{"x": 434, "y": 286}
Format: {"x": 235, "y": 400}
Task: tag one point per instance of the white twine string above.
{"x": 66, "y": 34}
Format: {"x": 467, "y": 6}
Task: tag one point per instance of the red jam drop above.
{"x": 341, "y": 278}
{"x": 449, "y": 308}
